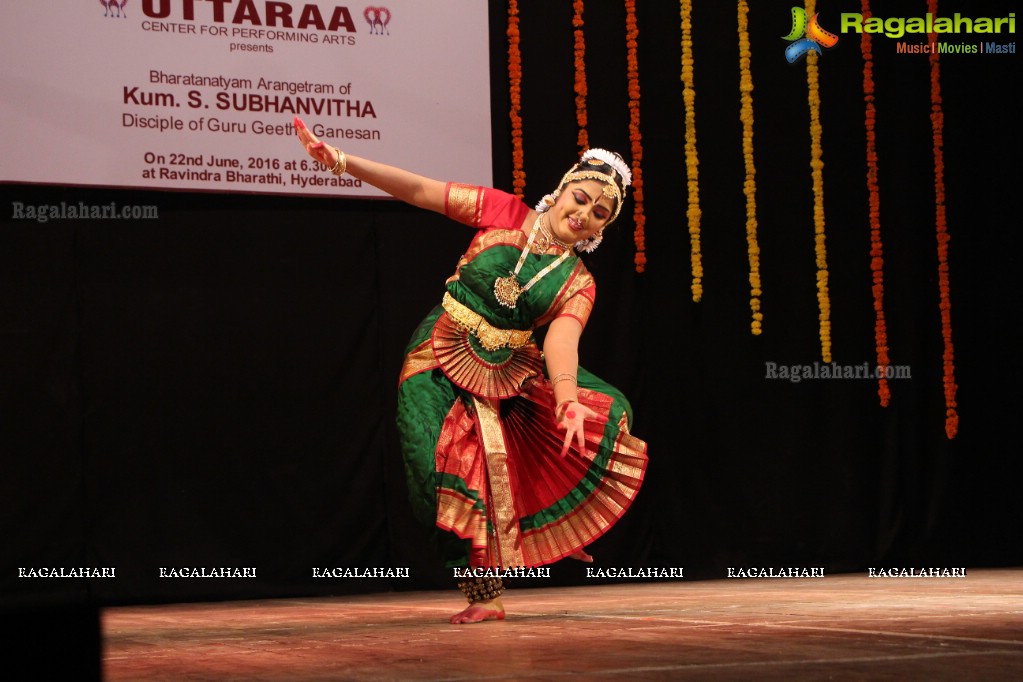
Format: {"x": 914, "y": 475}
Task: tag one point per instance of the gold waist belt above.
{"x": 490, "y": 337}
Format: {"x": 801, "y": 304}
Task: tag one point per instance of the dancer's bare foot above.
{"x": 582, "y": 556}
{"x": 480, "y": 611}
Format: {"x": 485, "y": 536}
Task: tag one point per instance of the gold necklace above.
{"x": 507, "y": 289}
{"x": 547, "y": 237}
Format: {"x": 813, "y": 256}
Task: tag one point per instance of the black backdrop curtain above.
{"x": 215, "y": 388}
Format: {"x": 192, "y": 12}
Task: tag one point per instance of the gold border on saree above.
{"x": 490, "y": 337}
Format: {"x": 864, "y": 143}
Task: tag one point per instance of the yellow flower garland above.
{"x": 580, "y": 76}
{"x": 635, "y": 137}
{"x": 749, "y": 187}
{"x": 941, "y": 227}
{"x": 817, "y": 171}
{"x": 515, "y": 92}
{"x": 692, "y": 161}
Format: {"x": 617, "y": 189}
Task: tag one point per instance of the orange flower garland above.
{"x": 937, "y": 128}
{"x": 692, "y": 161}
{"x": 631, "y": 33}
{"x": 749, "y": 187}
{"x": 515, "y": 90}
{"x": 817, "y": 168}
{"x": 876, "y": 247}
{"x": 580, "y": 76}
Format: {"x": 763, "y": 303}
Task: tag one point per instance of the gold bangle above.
{"x": 564, "y": 376}
{"x": 342, "y": 163}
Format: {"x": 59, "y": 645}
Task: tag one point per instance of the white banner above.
{"x": 201, "y": 94}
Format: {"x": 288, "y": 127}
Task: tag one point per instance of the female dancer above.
{"x": 517, "y": 457}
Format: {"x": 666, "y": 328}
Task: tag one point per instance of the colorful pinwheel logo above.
{"x": 806, "y": 36}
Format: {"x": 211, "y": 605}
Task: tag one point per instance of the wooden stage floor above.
{"x": 840, "y": 627}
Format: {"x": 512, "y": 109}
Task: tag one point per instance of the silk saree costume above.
{"x": 476, "y": 418}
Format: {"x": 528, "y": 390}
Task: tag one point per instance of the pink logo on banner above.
{"x": 114, "y": 8}
{"x": 378, "y": 18}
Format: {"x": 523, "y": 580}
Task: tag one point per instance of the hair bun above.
{"x": 612, "y": 159}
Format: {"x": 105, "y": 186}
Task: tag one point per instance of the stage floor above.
{"x": 841, "y": 627}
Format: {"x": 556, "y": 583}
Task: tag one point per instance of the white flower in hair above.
{"x": 611, "y": 159}
{"x": 544, "y": 204}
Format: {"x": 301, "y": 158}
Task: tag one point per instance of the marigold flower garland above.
{"x": 937, "y": 128}
{"x": 817, "y": 169}
{"x": 580, "y": 76}
{"x": 749, "y": 187}
{"x": 635, "y": 137}
{"x": 692, "y": 161}
{"x": 876, "y": 247}
{"x": 515, "y": 91}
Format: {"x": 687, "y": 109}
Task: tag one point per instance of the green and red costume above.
{"x": 481, "y": 443}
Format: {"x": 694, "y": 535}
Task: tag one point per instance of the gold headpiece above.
{"x": 614, "y": 187}
{"x": 610, "y": 188}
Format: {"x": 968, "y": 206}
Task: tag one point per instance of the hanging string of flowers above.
{"x": 636, "y": 139}
{"x": 515, "y": 91}
{"x": 692, "y": 161}
{"x": 580, "y": 76}
{"x": 817, "y": 171}
{"x": 941, "y": 226}
{"x": 749, "y": 187}
{"x": 876, "y": 247}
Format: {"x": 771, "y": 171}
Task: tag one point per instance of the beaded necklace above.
{"x": 507, "y": 289}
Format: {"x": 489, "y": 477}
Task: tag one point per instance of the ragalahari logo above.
{"x": 378, "y": 18}
{"x": 113, "y": 8}
{"x": 807, "y": 36}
